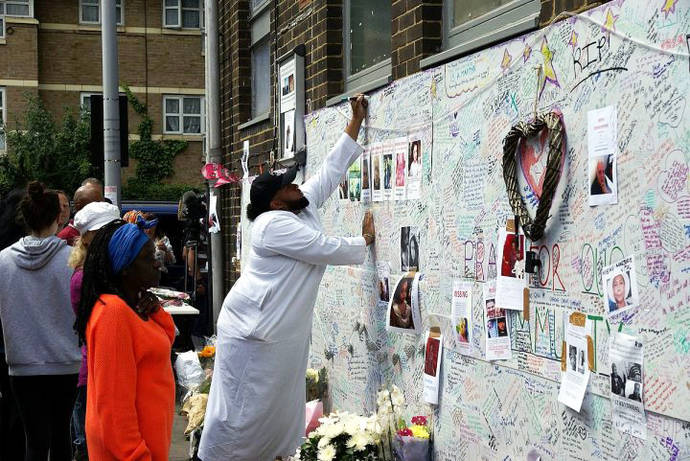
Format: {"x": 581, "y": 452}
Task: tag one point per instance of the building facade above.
{"x": 351, "y": 46}
{"x": 52, "y": 49}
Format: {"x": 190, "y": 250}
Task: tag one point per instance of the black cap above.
{"x": 265, "y": 186}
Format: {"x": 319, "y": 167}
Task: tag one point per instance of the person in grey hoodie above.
{"x": 41, "y": 347}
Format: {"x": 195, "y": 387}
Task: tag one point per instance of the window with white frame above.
{"x": 185, "y": 14}
{"x": 18, "y": 8}
{"x": 260, "y": 58}
{"x": 85, "y": 101}
{"x": 183, "y": 114}
{"x": 90, "y": 12}
{"x": 367, "y": 42}
{"x": 472, "y": 24}
{"x": 3, "y": 100}
{"x": 2, "y": 20}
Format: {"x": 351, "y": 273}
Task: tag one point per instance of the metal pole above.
{"x": 111, "y": 109}
{"x": 214, "y": 153}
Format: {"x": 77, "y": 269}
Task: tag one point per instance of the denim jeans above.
{"x": 79, "y": 420}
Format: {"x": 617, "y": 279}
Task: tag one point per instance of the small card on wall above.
{"x": 511, "y": 280}
{"x": 497, "y": 333}
{"x": 432, "y": 364}
{"x": 461, "y": 314}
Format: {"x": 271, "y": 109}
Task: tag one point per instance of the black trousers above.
{"x": 45, "y": 406}
{"x": 11, "y": 430}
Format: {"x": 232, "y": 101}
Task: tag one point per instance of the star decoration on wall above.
{"x": 610, "y": 23}
{"x": 573, "y": 39}
{"x": 505, "y": 63}
{"x": 669, "y": 7}
{"x": 548, "y": 71}
{"x": 526, "y": 53}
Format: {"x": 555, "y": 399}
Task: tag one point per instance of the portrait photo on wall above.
{"x": 433, "y": 345}
{"x": 354, "y": 181}
{"x": 403, "y": 307}
{"x": 343, "y": 188}
{"x": 376, "y": 168}
{"x": 409, "y": 248}
{"x": 289, "y": 133}
{"x": 602, "y": 180}
{"x": 620, "y": 283}
{"x": 414, "y": 162}
{"x": 365, "y": 173}
{"x": 388, "y": 171}
{"x": 626, "y": 379}
{"x": 496, "y": 323}
{"x": 400, "y": 162}
{"x": 513, "y": 251}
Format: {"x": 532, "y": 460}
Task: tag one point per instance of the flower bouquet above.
{"x": 342, "y": 436}
{"x": 412, "y": 442}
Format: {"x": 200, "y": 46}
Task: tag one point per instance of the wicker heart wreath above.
{"x": 534, "y": 229}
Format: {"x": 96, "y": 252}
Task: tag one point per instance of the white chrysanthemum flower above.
{"x": 323, "y": 442}
{"x": 298, "y": 453}
{"x": 359, "y": 441}
{"x": 333, "y": 430}
{"x": 326, "y": 453}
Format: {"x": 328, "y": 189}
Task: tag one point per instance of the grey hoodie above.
{"x": 37, "y": 317}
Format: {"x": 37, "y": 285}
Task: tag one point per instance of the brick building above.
{"x": 351, "y": 46}
{"x": 52, "y": 49}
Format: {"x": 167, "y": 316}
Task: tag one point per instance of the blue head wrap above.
{"x": 125, "y": 245}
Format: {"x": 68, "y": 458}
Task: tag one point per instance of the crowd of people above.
{"x": 76, "y": 315}
{"x": 87, "y": 347}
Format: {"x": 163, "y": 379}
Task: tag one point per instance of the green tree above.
{"x": 154, "y": 160}
{"x": 42, "y": 149}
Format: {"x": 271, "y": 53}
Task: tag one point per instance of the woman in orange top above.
{"x": 131, "y": 391}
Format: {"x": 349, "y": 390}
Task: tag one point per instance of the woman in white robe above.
{"x": 256, "y": 404}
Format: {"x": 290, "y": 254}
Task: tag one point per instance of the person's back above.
{"x": 35, "y": 307}
{"x": 41, "y": 347}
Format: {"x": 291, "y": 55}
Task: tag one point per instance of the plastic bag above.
{"x": 188, "y": 369}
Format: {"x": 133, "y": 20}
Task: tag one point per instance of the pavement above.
{"x": 179, "y": 449}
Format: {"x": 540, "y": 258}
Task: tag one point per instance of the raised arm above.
{"x": 320, "y": 186}
{"x": 288, "y": 236}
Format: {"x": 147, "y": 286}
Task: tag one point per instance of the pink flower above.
{"x": 405, "y": 432}
{"x": 420, "y": 420}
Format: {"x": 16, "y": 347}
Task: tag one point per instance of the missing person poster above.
{"x": 343, "y": 188}
{"x": 414, "y": 167}
{"x": 289, "y": 134}
{"x": 387, "y": 171}
{"x": 576, "y": 375}
{"x": 432, "y": 365}
{"x": 602, "y": 141}
{"x": 409, "y": 248}
{"x": 354, "y": 183}
{"x": 625, "y": 357}
{"x": 461, "y": 314}
{"x": 400, "y": 158}
{"x": 620, "y": 284}
{"x": 377, "y": 173}
{"x": 403, "y": 309}
{"x": 511, "y": 280}
{"x": 497, "y": 334}
{"x": 366, "y": 176}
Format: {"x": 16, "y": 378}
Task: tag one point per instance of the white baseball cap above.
{"x": 94, "y": 216}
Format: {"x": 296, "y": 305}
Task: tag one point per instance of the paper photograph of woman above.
{"x": 401, "y": 306}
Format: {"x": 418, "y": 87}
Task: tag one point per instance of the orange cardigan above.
{"x": 131, "y": 390}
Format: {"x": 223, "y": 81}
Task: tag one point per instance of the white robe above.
{"x": 256, "y": 404}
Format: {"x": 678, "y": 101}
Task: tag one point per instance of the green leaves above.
{"x": 40, "y": 148}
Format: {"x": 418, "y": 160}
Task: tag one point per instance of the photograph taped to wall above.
{"x": 403, "y": 308}
{"x": 620, "y": 284}
{"x": 383, "y": 271}
{"x": 497, "y": 335}
{"x": 289, "y": 134}
{"x": 602, "y": 137}
{"x": 387, "y": 175}
{"x": 366, "y": 176}
{"x": 461, "y": 314}
{"x": 433, "y": 354}
{"x": 343, "y": 188}
{"x": 626, "y": 355}
{"x": 414, "y": 167}
{"x": 400, "y": 158}
{"x": 511, "y": 280}
{"x": 575, "y": 378}
{"x": 409, "y": 248}
{"x": 376, "y": 169}
{"x": 354, "y": 175}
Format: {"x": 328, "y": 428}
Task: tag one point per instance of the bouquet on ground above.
{"x": 342, "y": 436}
{"x": 412, "y": 442}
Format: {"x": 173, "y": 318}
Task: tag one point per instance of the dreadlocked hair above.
{"x": 98, "y": 277}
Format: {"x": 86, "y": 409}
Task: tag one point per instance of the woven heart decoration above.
{"x": 553, "y": 123}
